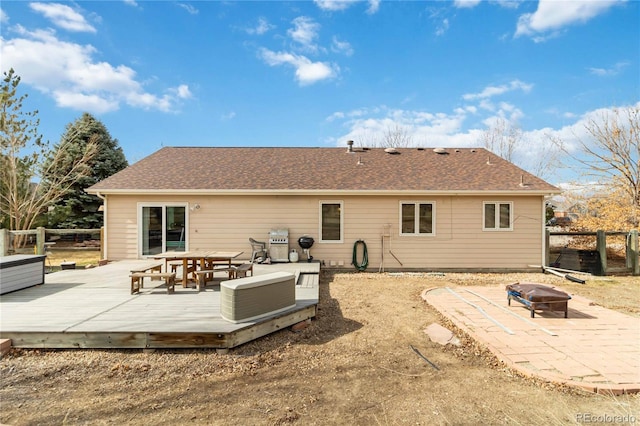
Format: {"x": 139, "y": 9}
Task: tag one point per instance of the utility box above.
{"x": 21, "y": 271}
{"x": 247, "y": 299}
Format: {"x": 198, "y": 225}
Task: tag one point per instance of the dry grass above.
{"x": 353, "y": 366}
{"x": 82, "y": 257}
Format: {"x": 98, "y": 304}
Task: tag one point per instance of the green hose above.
{"x": 365, "y": 256}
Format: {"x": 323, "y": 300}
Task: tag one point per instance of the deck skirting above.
{"x": 157, "y": 340}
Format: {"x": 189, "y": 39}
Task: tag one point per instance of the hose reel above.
{"x": 360, "y": 266}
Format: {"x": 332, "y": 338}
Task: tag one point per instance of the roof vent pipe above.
{"x": 349, "y": 146}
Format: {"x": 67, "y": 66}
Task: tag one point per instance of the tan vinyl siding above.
{"x": 226, "y": 223}
{"x": 121, "y": 228}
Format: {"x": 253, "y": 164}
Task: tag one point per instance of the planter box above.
{"x": 68, "y": 265}
{"x": 21, "y": 271}
{"x": 247, "y": 299}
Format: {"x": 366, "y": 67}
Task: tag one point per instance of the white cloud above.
{"x": 576, "y": 133}
{"x": 4, "y": 18}
{"x": 552, "y": 15}
{"x": 262, "y": 27}
{"x": 334, "y": 5}
{"x": 190, "y": 9}
{"x": 611, "y": 71}
{"x": 339, "y": 5}
{"x": 181, "y": 91}
{"x": 468, "y": 4}
{"x": 465, "y": 127}
{"x": 131, "y": 3}
{"x": 63, "y": 16}
{"x": 443, "y": 27}
{"x": 366, "y": 126}
{"x": 84, "y": 102}
{"x": 304, "y": 32}
{"x": 509, "y": 4}
{"x": 374, "y": 6}
{"x": 491, "y": 91}
{"x": 228, "y": 116}
{"x": 306, "y": 71}
{"x": 339, "y": 46}
{"x": 67, "y": 72}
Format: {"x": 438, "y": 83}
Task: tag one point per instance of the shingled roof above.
{"x": 219, "y": 169}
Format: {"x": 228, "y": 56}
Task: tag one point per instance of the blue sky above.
{"x": 304, "y": 73}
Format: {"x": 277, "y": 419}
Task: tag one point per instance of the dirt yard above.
{"x": 352, "y": 366}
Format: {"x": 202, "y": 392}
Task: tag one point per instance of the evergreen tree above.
{"x": 79, "y": 209}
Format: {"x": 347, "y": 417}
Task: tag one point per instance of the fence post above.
{"x": 102, "y": 243}
{"x": 40, "y": 238}
{"x": 632, "y": 253}
{"x": 4, "y": 242}
{"x": 601, "y": 247}
{"x": 547, "y": 247}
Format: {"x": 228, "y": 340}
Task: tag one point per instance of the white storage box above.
{"x": 21, "y": 271}
{"x": 246, "y": 299}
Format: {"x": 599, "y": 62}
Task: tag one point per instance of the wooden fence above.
{"x": 39, "y": 245}
{"x": 632, "y": 253}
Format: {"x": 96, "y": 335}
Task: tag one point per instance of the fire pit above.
{"x": 306, "y": 242}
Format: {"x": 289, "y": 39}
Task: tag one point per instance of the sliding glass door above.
{"x": 162, "y": 228}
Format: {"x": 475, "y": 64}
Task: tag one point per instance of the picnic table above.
{"x": 191, "y": 260}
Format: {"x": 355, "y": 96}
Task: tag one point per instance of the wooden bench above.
{"x": 137, "y": 280}
{"x": 146, "y": 268}
{"x": 237, "y": 270}
{"x": 202, "y": 274}
{"x": 150, "y": 267}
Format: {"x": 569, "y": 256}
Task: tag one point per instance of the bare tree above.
{"x": 395, "y": 136}
{"x": 506, "y": 139}
{"x": 544, "y": 162}
{"x": 27, "y": 163}
{"x": 502, "y": 138}
{"x": 611, "y": 153}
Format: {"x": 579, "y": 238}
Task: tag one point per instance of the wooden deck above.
{"x": 93, "y": 308}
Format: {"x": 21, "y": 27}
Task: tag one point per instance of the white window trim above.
{"x": 320, "y": 203}
{"x": 417, "y": 219}
{"x": 162, "y": 204}
{"x": 497, "y": 216}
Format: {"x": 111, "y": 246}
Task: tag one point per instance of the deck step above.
{"x": 5, "y": 346}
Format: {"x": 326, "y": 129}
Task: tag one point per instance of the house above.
{"x": 415, "y": 208}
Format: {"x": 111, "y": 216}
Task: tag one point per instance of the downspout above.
{"x": 103, "y": 236}
{"x": 544, "y": 261}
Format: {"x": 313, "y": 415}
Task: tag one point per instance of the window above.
{"x": 498, "y": 216}
{"x": 331, "y": 221}
{"x": 417, "y": 218}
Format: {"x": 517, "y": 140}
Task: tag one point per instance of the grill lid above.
{"x": 305, "y": 242}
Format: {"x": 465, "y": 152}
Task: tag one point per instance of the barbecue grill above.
{"x": 306, "y": 243}
{"x": 279, "y": 245}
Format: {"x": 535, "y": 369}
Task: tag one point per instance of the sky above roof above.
{"x": 319, "y": 73}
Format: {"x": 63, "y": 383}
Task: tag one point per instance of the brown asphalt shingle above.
{"x": 185, "y": 168}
